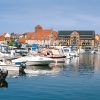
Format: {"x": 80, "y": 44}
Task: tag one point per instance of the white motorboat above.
{"x": 67, "y": 51}
{"x": 33, "y": 60}
{"x": 53, "y": 53}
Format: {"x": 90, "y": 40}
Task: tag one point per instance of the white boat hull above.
{"x": 34, "y": 60}
{"x": 30, "y": 63}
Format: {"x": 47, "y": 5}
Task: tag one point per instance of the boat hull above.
{"x": 42, "y": 63}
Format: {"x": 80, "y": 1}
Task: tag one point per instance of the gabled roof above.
{"x": 5, "y": 34}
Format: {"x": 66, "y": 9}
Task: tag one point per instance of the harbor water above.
{"x": 77, "y": 79}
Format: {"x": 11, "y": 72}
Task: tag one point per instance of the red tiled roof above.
{"x": 43, "y": 34}
{"x": 39, "y": 34}
{"x": 2, "y": 38}
{"x": 22, "y": 40}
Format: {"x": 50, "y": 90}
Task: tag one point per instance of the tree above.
{"x": 11, "y": 42}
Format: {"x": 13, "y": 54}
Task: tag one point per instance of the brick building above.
{"x": 41, "y": 36}
{"x": 77, "y": 38}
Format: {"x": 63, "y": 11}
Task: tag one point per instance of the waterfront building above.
{"x": 85, "y": 39}
{"x": 77, "y": 38}
{"x": 41, "y": 36}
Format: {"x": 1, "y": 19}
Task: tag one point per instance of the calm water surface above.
{"x": 78, "y": 79}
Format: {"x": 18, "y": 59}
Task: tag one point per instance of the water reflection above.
{"x": 97, "y": 62}
{"x": 84, "y": 64}
{"x": 43, "y": 70}
{"x": 89, "y": 62}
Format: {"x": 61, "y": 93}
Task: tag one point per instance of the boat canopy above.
{"x": 35, "y": 47}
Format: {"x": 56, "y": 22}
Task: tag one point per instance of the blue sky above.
{"x": 23, "y": 15}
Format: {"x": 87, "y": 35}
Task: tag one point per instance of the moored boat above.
{"x": 53, "y": 53}
{"x": 34, "y": 60}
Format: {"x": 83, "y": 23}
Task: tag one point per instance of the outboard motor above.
{"x": 3, "y": 75}
{"x": 3, "y": 84}
{"x": 21, "y": 69}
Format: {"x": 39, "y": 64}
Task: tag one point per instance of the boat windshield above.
{"x": 66, "y": 50}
